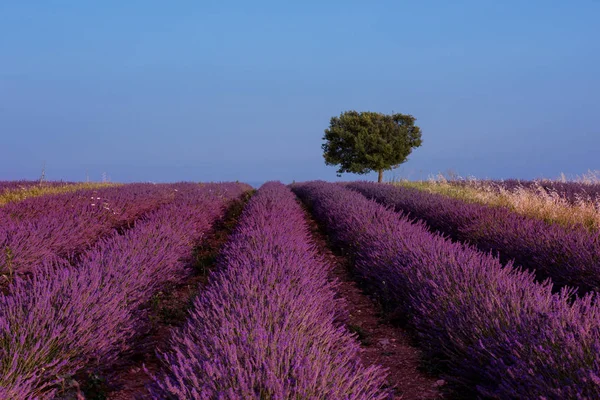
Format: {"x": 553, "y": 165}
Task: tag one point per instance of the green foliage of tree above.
{"x": 361, "y": 142}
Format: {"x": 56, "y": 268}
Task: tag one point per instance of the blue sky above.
{"x": 226, "y": 90}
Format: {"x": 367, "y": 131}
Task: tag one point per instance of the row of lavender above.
{"x": 39, "y": 229}
{"x": 569, "y": 256}
{"x": 500, "y": 333}
{"x": 267, "y": 326}
{"x": 69, "y": 319}
{"x": 573, "y": 192}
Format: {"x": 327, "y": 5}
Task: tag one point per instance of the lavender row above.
{"x": 66, "y": 319}
{"x": 267, "y": 326}
{"x": 500, "y": 334}
{"x": 39, "y": 229}
{"x": 570, "y": 256}
{"x": 115, "y": 200}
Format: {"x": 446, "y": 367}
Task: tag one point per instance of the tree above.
{"x": 361, "y": 142}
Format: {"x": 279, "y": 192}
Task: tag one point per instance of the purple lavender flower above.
{"x": 66, "y": 318}
{"x": 267, "y": 325}
{"x": 501, "y": 334}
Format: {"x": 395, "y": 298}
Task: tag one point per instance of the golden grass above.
{"x": 13, "y": 195}
{"x": 533, "y": 202}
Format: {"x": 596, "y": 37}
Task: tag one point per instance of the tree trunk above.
{"x": 380, "y": 178}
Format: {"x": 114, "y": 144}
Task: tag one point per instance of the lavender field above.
{"x": 312, "y": 290}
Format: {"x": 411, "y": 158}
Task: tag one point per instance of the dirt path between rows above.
{"x": 167, "y": 311}
{"x": 382, "y": 342}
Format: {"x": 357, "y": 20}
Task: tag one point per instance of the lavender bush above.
{"x": 67, "y": 319}
{"x": 267, "y": 326}
{"x": 39, "y": 229}
{"x": 500, "y": 334}
{"x": 569, "y": 256}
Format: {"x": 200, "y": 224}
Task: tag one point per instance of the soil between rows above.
{"x": 382, "y": 342}
{"x": 167, "y": 311}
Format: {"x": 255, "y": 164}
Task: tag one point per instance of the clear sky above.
{"x": 226, "y": 90}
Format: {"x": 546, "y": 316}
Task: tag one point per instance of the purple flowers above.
{"x": 500, "y": 334}
{"x": 41, "y": 228}
{"x": 267, "y": 325}
{"x": 569, "y": 256}
{"x": 69, "y": 318}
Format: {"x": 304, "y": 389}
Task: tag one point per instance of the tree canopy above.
{"x": 361, "y": 142}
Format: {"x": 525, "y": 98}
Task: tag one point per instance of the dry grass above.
{"x": 10, "y": 196}
{"x": 591, "y": 177}
{"x": 532, "y": 202}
